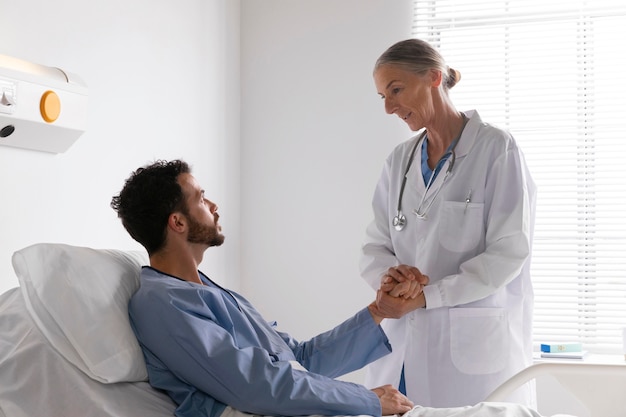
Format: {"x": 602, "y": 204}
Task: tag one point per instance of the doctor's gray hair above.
{"x": 418, "y": 56}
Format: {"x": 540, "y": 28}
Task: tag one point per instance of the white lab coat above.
{"x": 476, "y": 329}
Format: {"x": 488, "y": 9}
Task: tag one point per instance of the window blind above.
{"x": 552, "y": 73}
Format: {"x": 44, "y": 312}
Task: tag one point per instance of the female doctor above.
{"x": 456, "y": 204}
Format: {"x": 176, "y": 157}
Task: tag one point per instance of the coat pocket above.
{"x": 479, "y": 340}
{"x": 461, "y": 228}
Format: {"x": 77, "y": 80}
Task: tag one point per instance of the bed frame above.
{"x": 600, "y": 388}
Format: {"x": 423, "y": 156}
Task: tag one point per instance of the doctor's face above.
{"x": 202, "y": 216}
{"x": 406, "y": 94}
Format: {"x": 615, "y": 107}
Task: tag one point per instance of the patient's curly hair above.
{"x": 148, "y": 198}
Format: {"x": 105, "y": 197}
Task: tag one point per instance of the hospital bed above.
{"x": 67, "y": 349}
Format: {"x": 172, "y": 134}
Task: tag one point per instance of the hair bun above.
{"x": 454, "y": 76}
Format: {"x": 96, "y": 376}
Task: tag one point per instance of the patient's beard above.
{"x": 201, "y": 233}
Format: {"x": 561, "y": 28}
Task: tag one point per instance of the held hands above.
{"x": 403, "y": 281}
{"x": 392, "y": 401}
{"x": 400, "y": 292}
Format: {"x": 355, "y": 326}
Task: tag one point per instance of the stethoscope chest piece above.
{"x": 399, "y": 221}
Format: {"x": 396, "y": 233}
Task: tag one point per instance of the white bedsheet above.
{"x": 36, "y": 381}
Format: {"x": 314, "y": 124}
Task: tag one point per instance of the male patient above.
{"x": 210, "y": 350}
{"x": 206, "y": 346}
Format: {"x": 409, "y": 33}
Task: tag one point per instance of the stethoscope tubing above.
{"x": 421, "y": 213}
{"x": 399, "y": 220}
{"x": 408, "y": 167}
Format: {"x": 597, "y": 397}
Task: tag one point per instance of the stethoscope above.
{"x": 399, "y": 220}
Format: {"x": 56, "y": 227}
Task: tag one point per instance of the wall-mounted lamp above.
{"x": 41, "y": 108}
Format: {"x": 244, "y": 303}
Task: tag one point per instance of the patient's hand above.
{"x": 392, "y": 401}
{"x": 388, "y": 306}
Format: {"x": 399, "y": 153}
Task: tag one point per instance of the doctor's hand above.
{"x": 392, "y": 401}
{"x": 403, "y": 281}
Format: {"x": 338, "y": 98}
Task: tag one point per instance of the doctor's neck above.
{"x": 445, "y": 129}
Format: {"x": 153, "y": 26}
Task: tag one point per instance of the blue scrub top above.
{"x": 208, "y": 347}
{"x": 427, "y": 173}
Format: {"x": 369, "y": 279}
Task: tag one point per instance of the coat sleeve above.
{"x": 377, "y": 254}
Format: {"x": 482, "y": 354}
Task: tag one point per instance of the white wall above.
{"x": 313, "y": 140}
{"x": 163, "y": 83}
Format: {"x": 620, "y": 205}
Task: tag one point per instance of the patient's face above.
{"x": 202, "y": 216}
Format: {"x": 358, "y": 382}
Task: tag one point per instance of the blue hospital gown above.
{"x": 207, "y": 347}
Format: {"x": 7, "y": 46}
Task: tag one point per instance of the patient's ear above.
{"x": 177, "y": 222}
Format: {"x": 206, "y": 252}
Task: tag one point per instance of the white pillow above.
{"x": 78, "y": 297}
